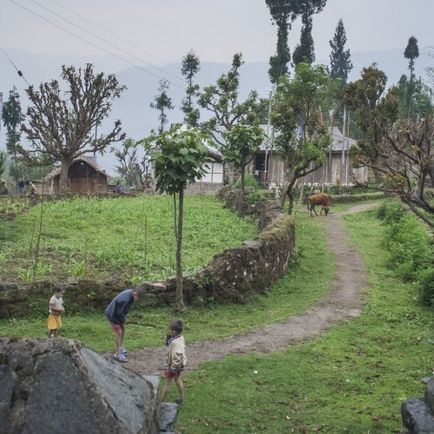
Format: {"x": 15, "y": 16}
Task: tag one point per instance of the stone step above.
{"x": 429, "y": 394}
{"x": 417, "y": 416}
{"x": 168, "y": 414}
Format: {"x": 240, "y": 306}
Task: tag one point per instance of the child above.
{"x": 116, "y": 312}
{"x": 55, "y": 310}
{"x": 176, "y": 360}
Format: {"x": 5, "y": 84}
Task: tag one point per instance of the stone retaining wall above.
{"x": 231, "y": 276}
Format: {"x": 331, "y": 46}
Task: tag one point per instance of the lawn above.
{"x": 351, "y": 380}
{"x": 304, "y": 283}
{"x": 131, "y": 238}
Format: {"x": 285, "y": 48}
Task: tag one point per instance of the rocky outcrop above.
{"x": 418, "y": 413}
{"x": 57, "y": 386}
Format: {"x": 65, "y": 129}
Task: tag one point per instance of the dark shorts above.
{"x": 173, "y": 374}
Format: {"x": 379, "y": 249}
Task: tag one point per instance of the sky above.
{"x": 165, "y": 30}
{"x": 41, "y": 35}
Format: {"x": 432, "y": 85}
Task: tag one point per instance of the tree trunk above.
{"x": 179, "y": 283}
{"x": 64, "y": 180}
{"x": 290, "y": 194}
{"x": 242, "y": 199}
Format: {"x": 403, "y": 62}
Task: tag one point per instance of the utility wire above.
{"x": 93, "y": 44}
{"x": 110, "y": 32}
{"x": 19, "y": 72}
{"x": 106, "y": 41}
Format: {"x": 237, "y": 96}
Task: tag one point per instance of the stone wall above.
{"x": 231, "y": 276}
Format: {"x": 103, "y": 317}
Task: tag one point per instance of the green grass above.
{"x": 131, "y": 238}
{"x": 299, "y": 289}
{"x": 351, "y": 380}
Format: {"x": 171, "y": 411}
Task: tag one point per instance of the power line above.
{"x": 19, "y": 72}
{"x": 93, "y": 44}
{"x": 107, "y": 30}
{"x": 104, "y": 40}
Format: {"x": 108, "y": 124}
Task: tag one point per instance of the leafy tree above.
{"x": 222, "y": 101}
{"x": 179, "y": 157}
{"x": 3, "y": 158}
{"x": 242, "y": 142}
{"x": 12, "y": 117}
{"x": 400, "y": 151}
{"x": 411, "y": 53}
{"x": 340, "y": 59}
{"x": 283, "y": 13}
{"x": 162, "y": 103}
{"x": 131, "y": 167}
{"x": 300, "y": 133}
{"x": 304, "y": 52}
{"x": 63, "y": 129}
{"x": 189, "y": 68}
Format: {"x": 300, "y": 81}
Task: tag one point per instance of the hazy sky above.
{"x": 214, "y": 28}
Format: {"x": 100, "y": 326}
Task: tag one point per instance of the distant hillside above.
{"x": 133, "y": 107}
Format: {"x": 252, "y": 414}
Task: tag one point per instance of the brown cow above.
{"x": 319, "y": 199}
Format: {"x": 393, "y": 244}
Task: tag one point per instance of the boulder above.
{"x": 58, "y": 386}
{"x": 417, "y": 417}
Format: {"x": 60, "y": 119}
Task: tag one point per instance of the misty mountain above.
{"x": 133, "y": 108}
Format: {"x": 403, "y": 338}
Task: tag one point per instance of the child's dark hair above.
{"x": 58, "y": 288}
{"x": 177, "y": 326}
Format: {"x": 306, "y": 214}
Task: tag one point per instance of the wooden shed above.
{"x": 84, "y": 177}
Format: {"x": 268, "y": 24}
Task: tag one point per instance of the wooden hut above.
{"x": 84, "y": 176}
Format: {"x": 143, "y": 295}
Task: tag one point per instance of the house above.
{"x": 84, "y": 175}
{"x": 269, "y": 166}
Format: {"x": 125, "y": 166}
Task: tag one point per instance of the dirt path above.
{"x": 342, "y": 301}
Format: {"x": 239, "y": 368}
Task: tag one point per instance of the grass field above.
{"x": 351, "y": 380}
{"x": 131, "y": 238}
{"x": 299, "y": 289}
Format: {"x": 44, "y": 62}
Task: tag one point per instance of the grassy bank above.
{"x": 352, "y": 380}
{"x": 299, "y": 289}
{"x": 131, "y": 238}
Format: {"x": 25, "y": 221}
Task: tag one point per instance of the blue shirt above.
{"x": 117, "y": 310}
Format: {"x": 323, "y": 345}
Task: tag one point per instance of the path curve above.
{"x": 342, "y": 301}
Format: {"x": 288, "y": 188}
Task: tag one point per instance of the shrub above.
{"x": 409, "y": 245}
{"x": 391, "y": 211}
{"x": 427, "y": 286}
{"x": 249, "y": 181}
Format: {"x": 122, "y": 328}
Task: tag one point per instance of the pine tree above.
{"x": 189, "y": 68}
{"x": 162, "y": 103}
{"x": 411, "y": 53}
{"x": 340, "y": 63}
{"x": 12, "y": 117}
{"x": 304, "y": 52}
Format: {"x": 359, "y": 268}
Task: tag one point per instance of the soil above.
{"x": 342, "y": 301}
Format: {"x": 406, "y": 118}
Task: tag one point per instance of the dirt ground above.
{"x": 342, "y": 301}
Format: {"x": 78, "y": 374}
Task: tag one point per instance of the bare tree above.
{"x": 65, "y": 128}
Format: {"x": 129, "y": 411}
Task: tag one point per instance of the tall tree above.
{"x": 179, "y": 157}
{"x": 400, "y": 151}
{"x": 242, "y": 142}
{"x": 222, "y": 102}
{"x": 283, "y": 13}
{"x": 298, "y": 111}
{"x": 12, "y": 117}
{"x": 64, "y": 129}
{"x": 304, "y": 52}
{"x": 340, "y": 58}
{"x": 162, "y": 103}
{"x": 3, "y": 158}
{"x": 411, "y": 53}
{"x": 189, "y": 68}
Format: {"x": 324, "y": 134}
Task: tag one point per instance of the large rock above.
{"x": 417, "y": 417}
{"x": 56, "y": 386}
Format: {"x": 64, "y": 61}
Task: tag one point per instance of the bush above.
{"x": 409, "y": 245}
{"x": 391, "y": 211}
{"x": 427, "y": 286}
{"x": 249, "y": 181}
